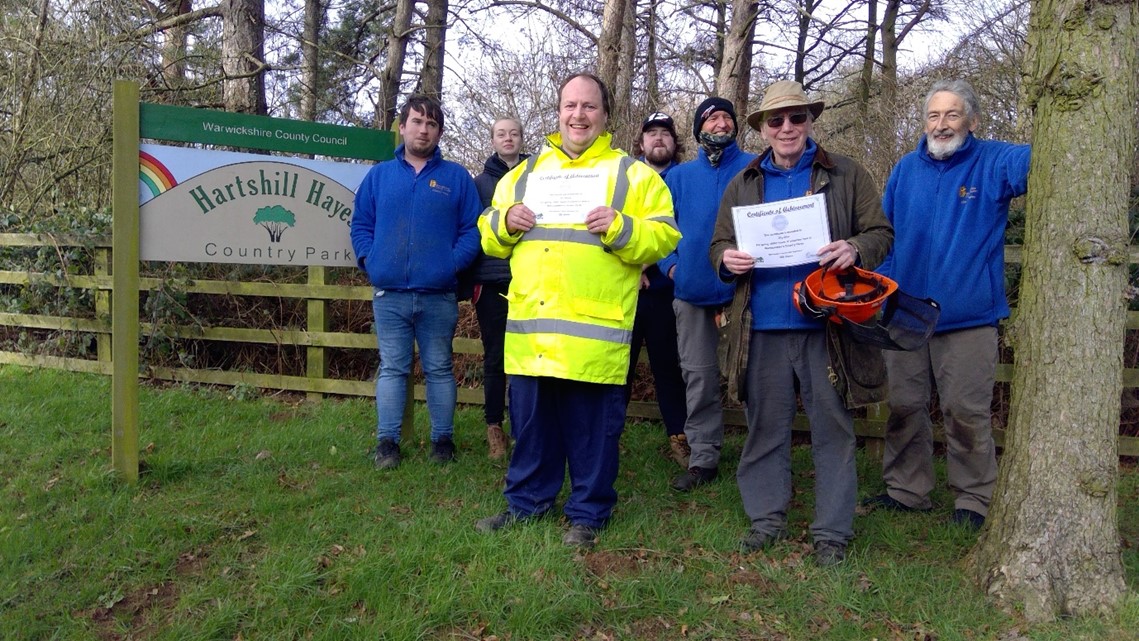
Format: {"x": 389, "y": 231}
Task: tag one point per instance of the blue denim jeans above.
{"x": 404, "y": 318}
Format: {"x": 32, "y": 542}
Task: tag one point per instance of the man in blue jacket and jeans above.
{"x": 696, "y": 188}
{"x": 414, "y": 229}
{"x": 948, "y": 201}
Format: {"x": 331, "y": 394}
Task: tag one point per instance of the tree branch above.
{"x": 173, "y": 22}
{"x": 536, "y": 4}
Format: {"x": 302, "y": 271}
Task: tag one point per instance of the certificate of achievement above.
{"x": 565, "y": 197}
{"x": 783, "y": 233}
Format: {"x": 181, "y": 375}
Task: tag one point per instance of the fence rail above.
{"x": 314, "y": 336}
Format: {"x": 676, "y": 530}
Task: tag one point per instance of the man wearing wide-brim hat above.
{"x": 770, "y": 344}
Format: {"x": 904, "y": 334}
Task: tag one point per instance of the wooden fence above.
{"x": 314, "y": 337}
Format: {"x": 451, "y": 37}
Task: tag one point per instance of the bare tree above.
{"x": 609, "y": 44}
{"x": 24, "y": 91}
{"x": 866, "y": 80}
{"x": 174, "y": 45}
{"x": 1052, "y": 543}
{"x": 652, "y": 77}
{"x": 397, "y": 39}
{"x": 434, "y": 38}
{"x": 310, "y": 57}
{"x": 243, "y": 56}
{"x": 734, "y": 79}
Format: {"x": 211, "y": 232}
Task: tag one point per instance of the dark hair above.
{"x": 639, "y": 148}
{"x": 601, "y": 85}
{"x": 425, "y": 105}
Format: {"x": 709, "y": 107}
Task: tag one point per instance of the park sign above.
{"x": 225, "y": 207}
{"x": 191, "y": 204}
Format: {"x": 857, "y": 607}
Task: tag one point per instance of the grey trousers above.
{"x": 775, "y": 360}
{"x": 963, "y": 365}
{"x": 697, "y": 339}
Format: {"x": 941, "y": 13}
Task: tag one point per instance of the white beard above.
{"x": 942, "y": 150}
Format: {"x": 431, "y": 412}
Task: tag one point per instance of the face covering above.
{"x": 714, "y": 145}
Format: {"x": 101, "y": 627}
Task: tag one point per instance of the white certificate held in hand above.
{"x": 783, "y": 233}
{"x": 565, "y": 197}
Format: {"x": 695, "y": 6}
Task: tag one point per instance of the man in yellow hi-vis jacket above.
{"x": 577, "y": 221}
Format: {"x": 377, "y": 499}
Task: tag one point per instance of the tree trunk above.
{"x": 393, "y": 70}
{"x": 652, "y": 79}
{"x": 310, "y": 53}
{"x": 734, "y": 80}
{"x": 890, "y": 44}
{"x": 174, "y": 45}
{"x": 431, "y": 81}
{"x": 891, "y": 41}
{"x": 1052, "y": 541}
{"x": 624, "y": 122}
{"x": 243, "y": 55}
{"x": 609, "y": 45}
{"x": 866, "y": 81}
{"x": 803, "y": 38}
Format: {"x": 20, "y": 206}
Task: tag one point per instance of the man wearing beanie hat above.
{"x": 696, "y": 188}
{"x": 714, "y": 142}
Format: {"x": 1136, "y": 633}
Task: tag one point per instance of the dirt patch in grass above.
{"x": 145, "y": 611}
{"x": 746, "y": 576}
{"x": 138, "y": 615}
{"x": 657, "y": 628}
{"x": 607, "y": 564}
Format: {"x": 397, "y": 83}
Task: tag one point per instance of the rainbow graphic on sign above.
{"x": 154, "y": 174}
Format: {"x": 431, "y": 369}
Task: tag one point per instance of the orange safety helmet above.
{"x": 851, "y": 294}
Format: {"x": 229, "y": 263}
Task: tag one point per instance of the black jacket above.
{"x": 488, "y": 269}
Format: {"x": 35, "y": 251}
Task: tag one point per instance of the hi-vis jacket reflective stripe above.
{"x": 573, "y": 295}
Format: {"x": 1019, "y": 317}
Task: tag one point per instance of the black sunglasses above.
{"x": 775, "y": 122}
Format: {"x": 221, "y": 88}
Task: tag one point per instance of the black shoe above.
{"x": 887, "y": 502}
{"x": 694, "y": 478}
{"x": 443, "y": 450}
{"x": 580, "y": 536}
{"x": 497, "y": 522}
{"x": 829, "y": 553}
{"x": 968, "y": 518}
{"x": 756, "y": 540}
{"x": 386, "y": 456}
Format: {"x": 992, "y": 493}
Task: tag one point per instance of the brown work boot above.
{"x": 496, "y": 442}
{"x": 679, "y": 449}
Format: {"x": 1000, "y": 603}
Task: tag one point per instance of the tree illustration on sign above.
{"x": 274, "y": 219}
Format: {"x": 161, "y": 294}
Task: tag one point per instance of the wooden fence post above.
{"x": 103, "y": 304}
{"x": 316, "y": 358}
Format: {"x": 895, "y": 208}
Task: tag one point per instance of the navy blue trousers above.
{"x": 558, "y": 423}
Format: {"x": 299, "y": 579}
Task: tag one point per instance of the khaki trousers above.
{"x": 962, "y": 364}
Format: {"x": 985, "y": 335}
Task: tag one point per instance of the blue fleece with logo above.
{"x": 414, "y": 232}
{"x": 696, "y": 188}
{"x": 949, "y": 220}
{"x": 772, "y": 307}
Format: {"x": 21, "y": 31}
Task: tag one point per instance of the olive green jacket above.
{"x": 854, "y": 213}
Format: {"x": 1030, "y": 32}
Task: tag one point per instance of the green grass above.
{"x": 263, "y": 519}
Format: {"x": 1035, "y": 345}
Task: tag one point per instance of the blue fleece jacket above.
{"x": 772, "y": 307}
{"x": 696, "y": 188}
{"x": 415, "y": 232}
{"x": 657, "y": 281}
{"x": 949, "y": 220}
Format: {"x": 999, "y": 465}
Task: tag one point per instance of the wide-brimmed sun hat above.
{"x": 781, "y": 95}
